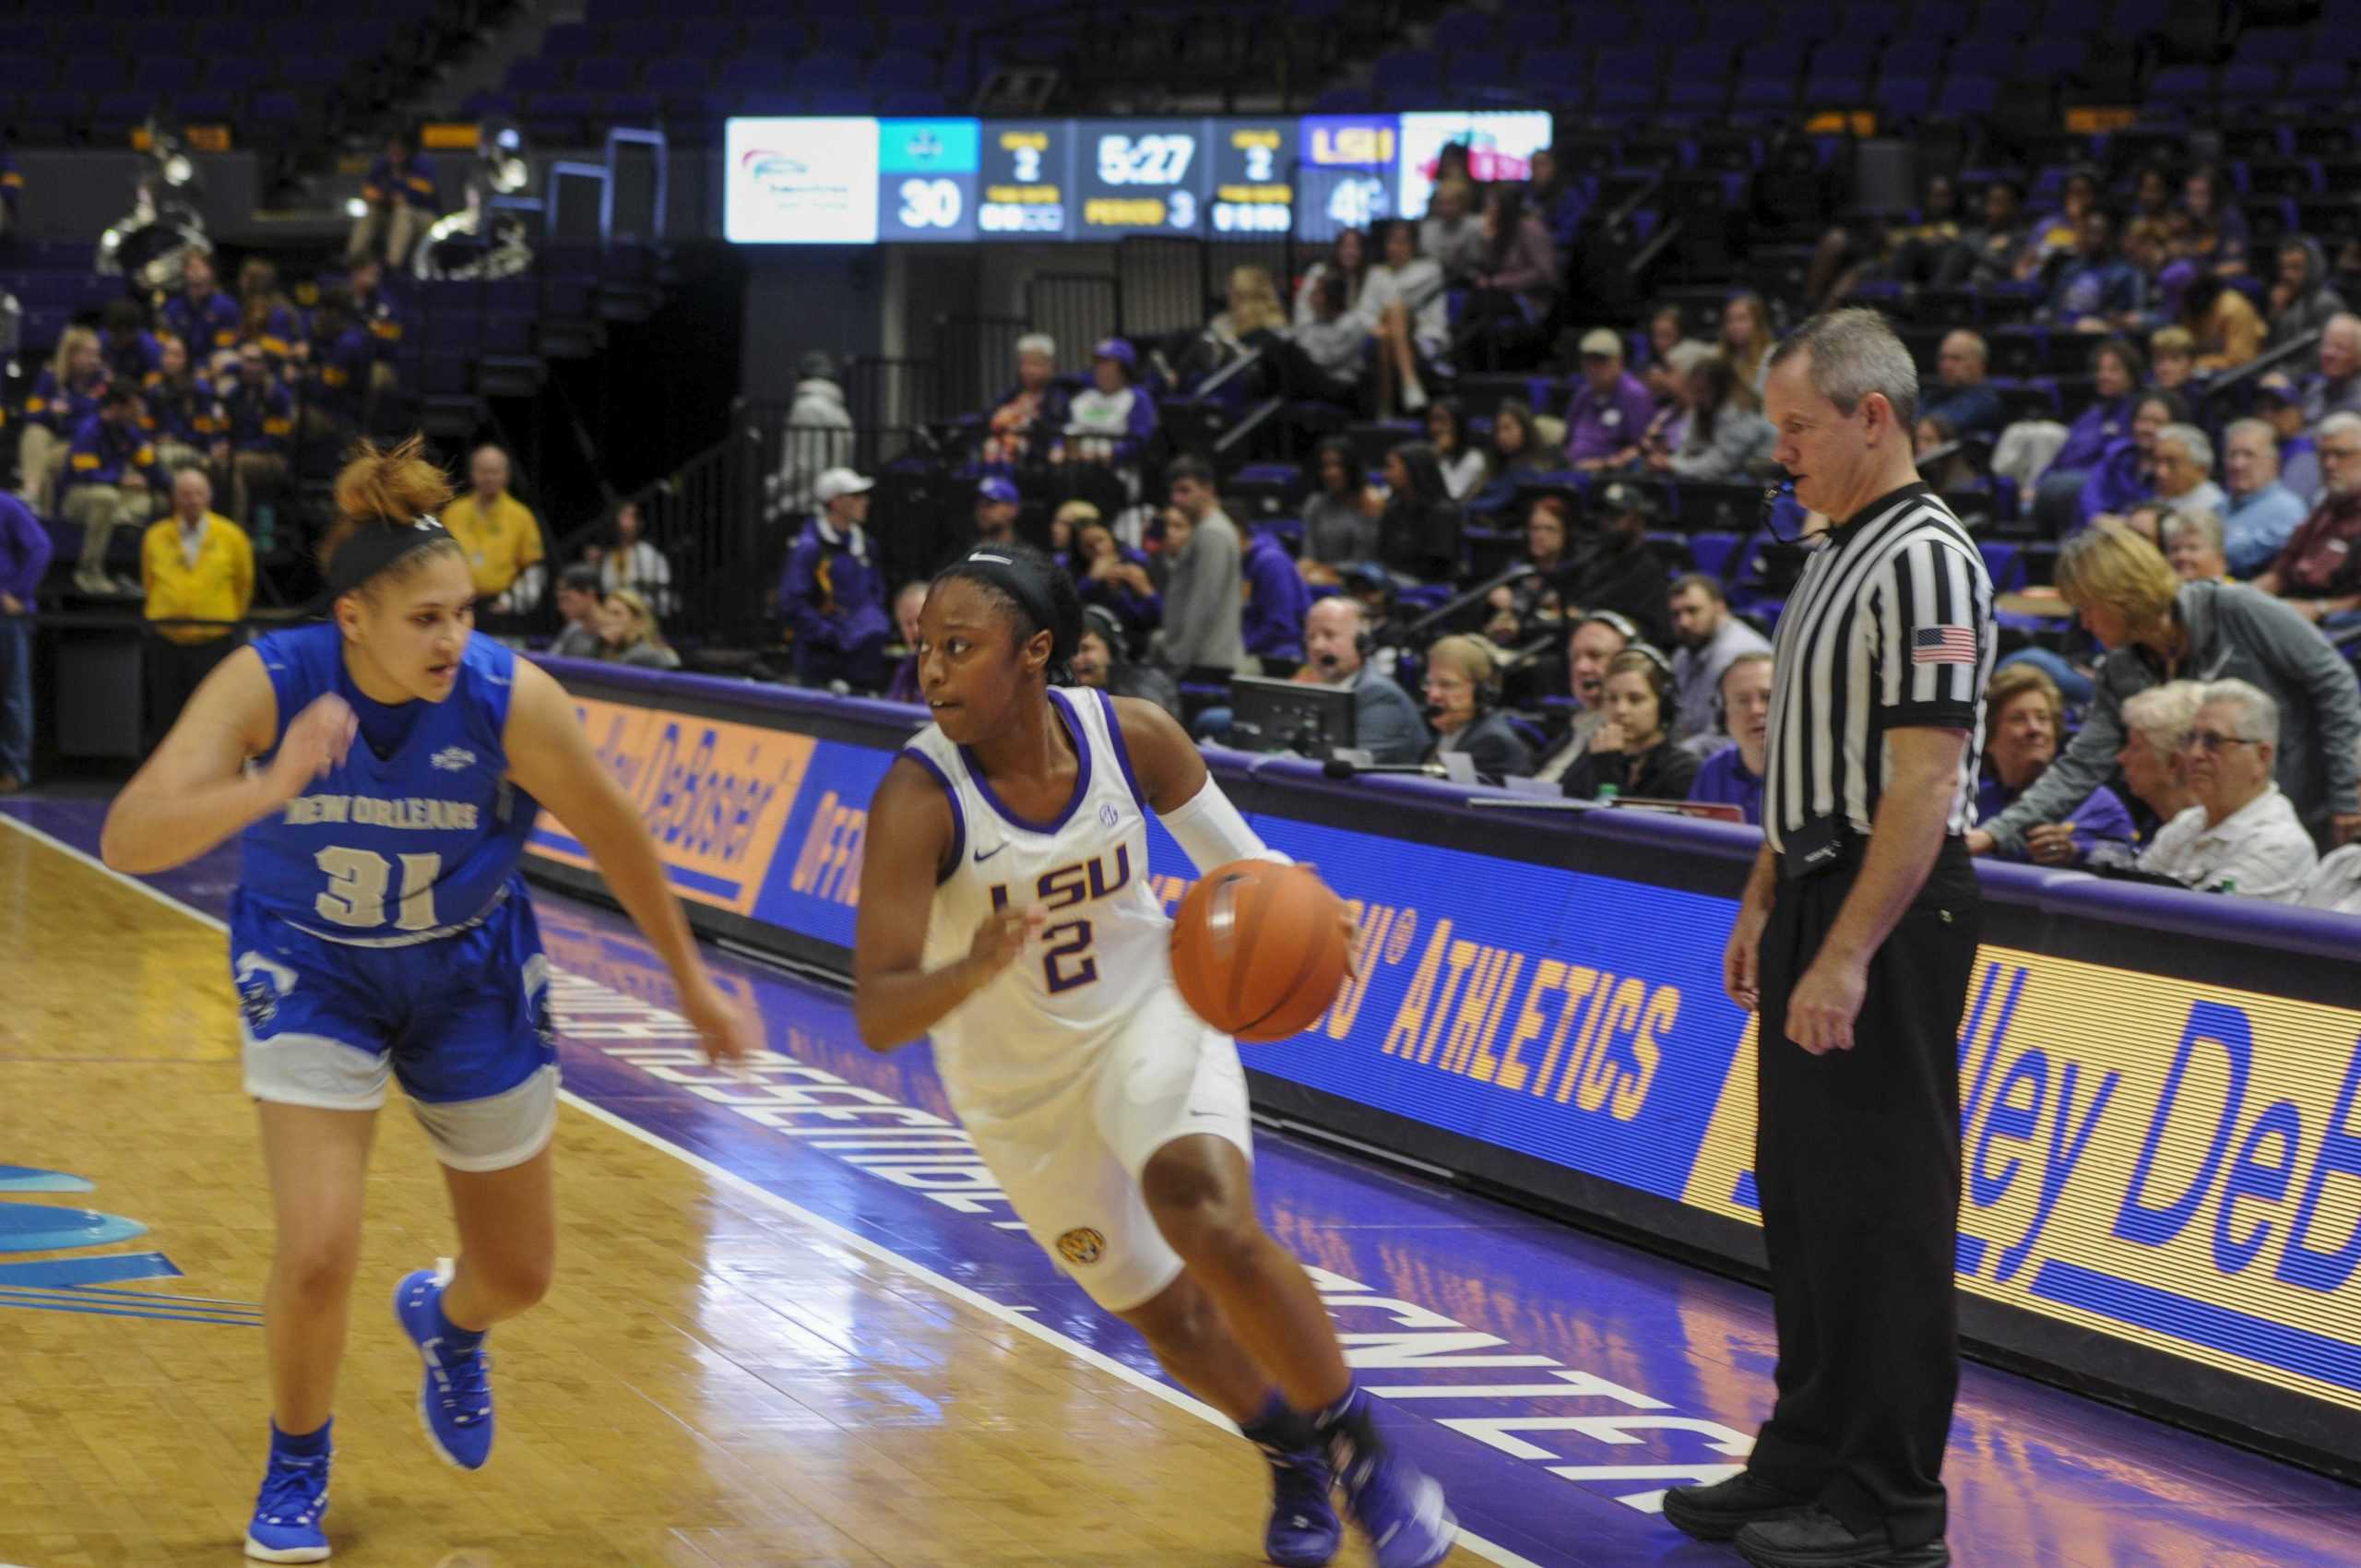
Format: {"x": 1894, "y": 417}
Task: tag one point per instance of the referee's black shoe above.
{"x": 1720, "y": 1511}
{"x": 1817, "y": 1539}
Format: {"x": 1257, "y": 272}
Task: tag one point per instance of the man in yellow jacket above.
{"x": 500, "y": 535}
{"x": 196, "y": 565}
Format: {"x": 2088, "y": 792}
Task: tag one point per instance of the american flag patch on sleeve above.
{"x": 1942, "y": 644}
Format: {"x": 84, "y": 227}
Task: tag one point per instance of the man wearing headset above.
{"x": 1386, "y": 722}
{"x": 1596, "y": 638}
{"x": 1733, "y": 775}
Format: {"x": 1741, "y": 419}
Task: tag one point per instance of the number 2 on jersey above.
{"x": 355, "y": 895}
{"x": 1069, "y": 941}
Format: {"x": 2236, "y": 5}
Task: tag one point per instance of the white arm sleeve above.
{"x": 1213, "y": 833}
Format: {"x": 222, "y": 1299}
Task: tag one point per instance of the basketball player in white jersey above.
{"x": 1005, "y": 909}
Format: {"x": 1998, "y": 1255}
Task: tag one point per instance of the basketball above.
{"x": 1258, "y": 949}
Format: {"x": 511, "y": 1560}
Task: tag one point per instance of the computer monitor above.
{"x": 1283, "y": 716}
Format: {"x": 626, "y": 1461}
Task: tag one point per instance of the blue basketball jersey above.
{"x": 391, "y": 849}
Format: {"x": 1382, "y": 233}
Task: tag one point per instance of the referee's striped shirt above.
{"x": 1890, "y": 627}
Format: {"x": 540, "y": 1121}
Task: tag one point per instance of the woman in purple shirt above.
{"x": 2026, "y": 717}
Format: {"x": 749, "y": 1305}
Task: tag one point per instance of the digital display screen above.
{"x": 793, "y": 181}
{"x": 1028, "y": 186}
{"x": 1143, "y": 177}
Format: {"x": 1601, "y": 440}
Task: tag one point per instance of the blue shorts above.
{"x": 463, "y": 1021}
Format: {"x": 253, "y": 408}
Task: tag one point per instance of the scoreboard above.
{"x": 857, "y": 181}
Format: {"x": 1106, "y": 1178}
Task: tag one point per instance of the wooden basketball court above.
{"x": 715, "y": 1380}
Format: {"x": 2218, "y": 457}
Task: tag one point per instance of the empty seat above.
{"x": 605, "y": 74}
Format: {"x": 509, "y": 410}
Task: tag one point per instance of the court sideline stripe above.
{"x": 852, "y": 1239}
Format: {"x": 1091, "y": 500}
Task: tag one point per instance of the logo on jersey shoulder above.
{"x": 1082, "y": 1246}
{"x": 261, "y": 984}
{"x": 982, "y": 855}
{"x": 1107, "y": 815}
{"x": 452, "y": 759}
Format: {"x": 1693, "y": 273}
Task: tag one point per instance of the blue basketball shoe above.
{"x": 1398, "y": 1506}
{"x": 455, "y": 1400}
{"x": 288, "y": 1511}
{"x": 1304, "y": 1531}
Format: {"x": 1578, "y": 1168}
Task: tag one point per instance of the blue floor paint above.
{"x": 25, "y": 1179}
{"x": 1543, "y": 1375}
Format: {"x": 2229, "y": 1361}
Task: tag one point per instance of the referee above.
{"x": 1854, "y": 943}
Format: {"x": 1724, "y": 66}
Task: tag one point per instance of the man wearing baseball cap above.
{"x": 833, "y": 597}
{"x": 2279, "y": 403}
{"x": 1111, "y": 419}
{"x": 996, "y": 502}
{"x": 1609, "y": 409}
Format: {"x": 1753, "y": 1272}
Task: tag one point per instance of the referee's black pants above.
{"x": 1856, "y": 1158}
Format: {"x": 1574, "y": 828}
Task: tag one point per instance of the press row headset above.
{"x": 1660, "y": 678}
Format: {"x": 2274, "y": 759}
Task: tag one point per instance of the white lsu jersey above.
{"x": 1014, "y": 1046}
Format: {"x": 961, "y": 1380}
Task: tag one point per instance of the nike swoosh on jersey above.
{"x": 983, "y": 855}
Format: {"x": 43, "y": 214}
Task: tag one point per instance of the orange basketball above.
{"x": 1258, "y": 949}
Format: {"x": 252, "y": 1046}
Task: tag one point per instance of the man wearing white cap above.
{"x": 1609, "y": 410}
{"x": 831, "y": 596}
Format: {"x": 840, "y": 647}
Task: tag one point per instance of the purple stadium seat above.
{"x": 116, "y": 112}
{"x": 605, "y": 74}
{"x": 2271, "y": 46}
{"x": 570, "y": 106}
{"x": 903, "y": 71}
{"x": 2181, "y": 84}
{"x": 1988, "y": 56}
{"x": 205, "y": 107}
{"x": 20, "y": 39}
{"x": 1403, "y": 69}
{"x": 709, "y": 37}
{"x": 1535, "y": 29}
{"x": 2073, "y": 17}
{"x": 842, "y": 34}
{"x": 642, "y": 38}
{"x": 750, "y": 73}
{"x": 2318, "y": 79}
{"x": 1668, "y": 24}
{"x": 1553, "y": 68}
{"x": 838, "y": 99}
{"x": 2049, "y": 58}
{"x": 1462, "y": 29}
{"x": 279, "y": 111}
{"x": 2248, "y": 79}
{"x": 1698, "y": 95}
{"x": 1823, "y": 90}
{"x": 91, "y": 73}
{"x": 57, "y": 109}
{"x": 300, "y": 68}
{"x": 27, "y": 73}
{"x": 81, "y": 36}
{"x": 570, "y": 41}
{"x": 815, "y": 72}
{"x": 224, "y": 38}
{"x": 1766, "y": 91}
{"x": 1965, "y": 98}
{"x": 683, "y": 74}
{"x": 1868, "y": 20}
{"x": 2131, "y": 18}
{"x": 1693, "y": 62}
{"x": 528, "y": 74}
{"x": 2004, "y": 21}
{"x": 1906, "y": 97}
{"x": 776, "y": 36}
{"x": 1478, "y": 68}
{"x": 1843, "y": 55}
{"x": 155, "y": 74}
{"x": 1911, "y": 57}
{"x": 482, "y": 105}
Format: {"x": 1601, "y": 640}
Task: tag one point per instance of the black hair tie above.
{"x": 370, "y": 550}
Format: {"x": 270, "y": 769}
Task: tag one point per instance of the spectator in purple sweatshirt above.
{"x": 1277, "y": 598}
{"x": 1609, "y": 410}
{"x": 908, "y": 606}
{"x": 24, "y": 557}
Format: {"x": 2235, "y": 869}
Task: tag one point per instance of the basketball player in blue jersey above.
{"x": 1005, "y": 909}
{"x": 383, "y": 770}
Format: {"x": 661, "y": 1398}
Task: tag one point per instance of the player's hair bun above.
{"x": 396, "y": 487}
